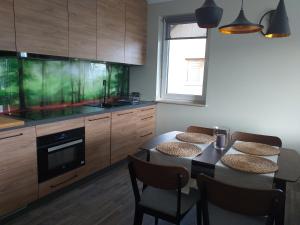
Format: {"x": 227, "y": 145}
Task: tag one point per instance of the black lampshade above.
{"x": 279, "y": 23}
{"x": 241, "y": 25}
{"x": 209, "y": 15}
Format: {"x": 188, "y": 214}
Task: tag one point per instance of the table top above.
{"x": 288, "y": 160}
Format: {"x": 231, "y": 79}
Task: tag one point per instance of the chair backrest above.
{"x": 253, "y": 202}
{"x": 258, "y": 138}
{"x": 202, "y": 130}
{"x": 158, "y": 176}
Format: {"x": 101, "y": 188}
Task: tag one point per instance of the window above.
{"x": 184, "y": 60}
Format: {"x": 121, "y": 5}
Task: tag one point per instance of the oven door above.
{"x": 57, "y": 159}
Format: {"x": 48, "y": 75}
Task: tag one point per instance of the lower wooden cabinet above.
{"x": 146, "y": 124}
{"x": 18, "y": 169}
{"x": 123, "y": 134}
{"x": 59, "y": 182}
{"x": 97, "y": 142}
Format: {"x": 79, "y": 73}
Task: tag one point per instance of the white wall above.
{"x": 253, "y": 82}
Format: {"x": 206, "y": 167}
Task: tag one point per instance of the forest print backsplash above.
{"x": 29, "y": 83}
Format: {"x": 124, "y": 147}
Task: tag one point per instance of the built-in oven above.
{"x": 59, "y": 153}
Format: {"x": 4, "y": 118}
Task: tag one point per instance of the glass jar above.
{"x": 222, "y": 137}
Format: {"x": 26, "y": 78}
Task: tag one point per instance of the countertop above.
{"x": 95, "y": 111}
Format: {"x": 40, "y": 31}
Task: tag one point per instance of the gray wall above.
{"x": 253, "y": 82}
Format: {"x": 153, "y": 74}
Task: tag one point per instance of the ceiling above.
{"x": 157, "y": 1}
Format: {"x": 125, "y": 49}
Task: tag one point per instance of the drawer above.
{"x": 59, "y": 182}
{"x": 97, "y": 118}
{"x": 56, "y": 127}
{"x": 147, "y": 111}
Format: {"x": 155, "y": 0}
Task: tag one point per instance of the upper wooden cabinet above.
{"x": 18, "y": 169}
{"x": 82, "y": 28}
{"x": 111, "y": 30}
{"x": 42, "y": 26}
{"x": 136, "y": 32}
{"x": 7, "y": 30}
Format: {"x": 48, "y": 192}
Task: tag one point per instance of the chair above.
{"x": 266, "y": 204}
{"x": 263, "y": 139}
{"x": 161, "y": 195}
{"x": 202, "y": 130}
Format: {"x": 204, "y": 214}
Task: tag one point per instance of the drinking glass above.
{"x": 222, "y": 135}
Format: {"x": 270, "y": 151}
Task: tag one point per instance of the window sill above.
{"x": 177, "y": 102}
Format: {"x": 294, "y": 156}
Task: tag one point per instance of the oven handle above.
{"x": 58, "y": 147}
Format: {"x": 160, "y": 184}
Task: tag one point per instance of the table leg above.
{"x": 279, "y": 184}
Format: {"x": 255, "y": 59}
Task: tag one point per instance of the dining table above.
{"x": 206, "y": 163}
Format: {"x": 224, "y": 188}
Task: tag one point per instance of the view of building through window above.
{"x": 186, "y": 66}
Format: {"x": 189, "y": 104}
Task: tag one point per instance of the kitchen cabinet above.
{"x": 42, "y": 26}
{"x": 146, "y": 123}
{"x": 82, "y": 28}
{"x": 7, "y": 29}
{"x": 136, "y": 32}
{"x": 18, "y": 169}
{"x": 123, "y": 134}
{"x": 111, "y": 30}
{"x": 60, "y": 182}
{"x": 56, "y": 127}
{"x": 97, "y": 142}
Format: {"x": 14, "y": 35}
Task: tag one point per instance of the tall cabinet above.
{"x": 136, "y": 32}
{"x": 18, "y": 169}
{"x": 42, "y": 26}
{"x": 82, "y": 28}
{"x": 7, "y": 30}
{"x": 111, "y": 30}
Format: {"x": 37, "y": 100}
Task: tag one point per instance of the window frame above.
{"x": 180, "y": 98}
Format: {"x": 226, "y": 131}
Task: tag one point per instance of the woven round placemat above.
{"x": 179, "y": 149}
{"x": 256, "y": 148}
{"x": 197, "y": 138}
{"x": 249, "y": 163}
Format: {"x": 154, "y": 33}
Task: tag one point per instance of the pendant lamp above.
{"x": 241, "y": 25}
{"x": 209, "y": 15}
{"x": 279, "y": 23}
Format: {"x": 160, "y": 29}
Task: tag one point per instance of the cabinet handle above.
{"x": 143, "y": 110}
{"x": 146, "y": 135}
{"x": 121, "y": 114}
{"x": 12, "y": 136}
{"x": 63, "y": 182}
{"x": 150, "y": 117}
{"x": 102, "y": 118}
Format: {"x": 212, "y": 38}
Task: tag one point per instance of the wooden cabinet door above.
{"x": 146, "y": 123}
{"x": 82, "y": 28}
{"x": 136, "y": 32}
{"x": 7, "y": 29}
{"x": 18, "y": 169}
{"x": 111, "y": 30}
{"x": 123, "y": 134}
{"x": 42, "y": 26}
{"x": 97, "y": 145}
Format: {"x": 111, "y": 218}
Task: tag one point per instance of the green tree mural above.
{"x": 28, "y": 83}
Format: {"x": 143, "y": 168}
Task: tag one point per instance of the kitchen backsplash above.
{"x": 31, "y": 83}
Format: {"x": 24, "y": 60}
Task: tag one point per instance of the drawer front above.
{"x": 52, "y": 128}
{"x": 145, "y": 112}
{"x": 59, "y": 182}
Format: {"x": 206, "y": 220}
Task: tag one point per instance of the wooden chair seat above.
{"x": 165, "y": 201}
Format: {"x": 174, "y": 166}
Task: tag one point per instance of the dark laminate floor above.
{"x": 108, "y": 200}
